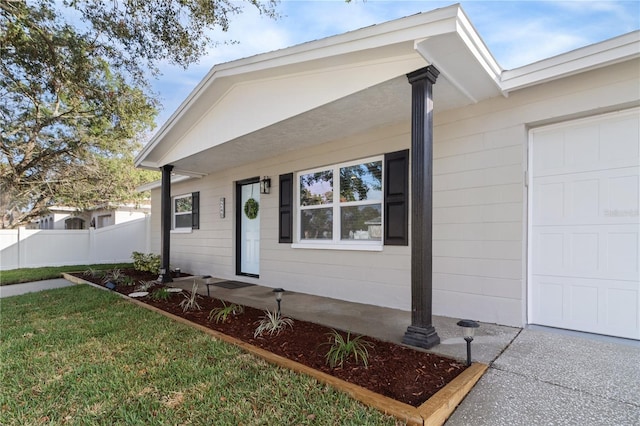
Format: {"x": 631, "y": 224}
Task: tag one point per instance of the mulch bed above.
{"x": 396, "y": 371}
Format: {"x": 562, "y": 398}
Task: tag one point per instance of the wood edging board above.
{"x": 432, "y": 412}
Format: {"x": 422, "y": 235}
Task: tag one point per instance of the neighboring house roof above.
{"x": 258, "y": 107}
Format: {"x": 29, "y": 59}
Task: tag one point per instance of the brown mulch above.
{"x": 396, "y": 371}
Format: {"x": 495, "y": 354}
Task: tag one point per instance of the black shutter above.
{"x": 285, "y": 215}
{"x": 195, "y": 210}
{"x": 396, "y": 198}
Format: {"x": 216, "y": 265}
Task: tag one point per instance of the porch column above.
{"x": 165, "y": 223}
{"x": 421, "y": 332}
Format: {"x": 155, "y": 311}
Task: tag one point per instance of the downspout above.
{"x": 165, "y": 224}
{"x": 421, "y": 332}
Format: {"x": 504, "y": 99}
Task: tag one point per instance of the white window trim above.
{"x": 337, "y": 243}
{"x": 184, "y": 229}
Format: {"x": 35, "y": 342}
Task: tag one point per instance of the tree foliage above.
{"x": 75, "y": 103}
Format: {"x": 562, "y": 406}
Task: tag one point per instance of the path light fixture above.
{"x": 278, "y": 292}
{"x": 110, "y": 285}
{"x": 265, "y": 185}
{"x": 469, "y": 330}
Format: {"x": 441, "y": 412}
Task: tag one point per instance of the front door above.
{"x": 248, "y": 227}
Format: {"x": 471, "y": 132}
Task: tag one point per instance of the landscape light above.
{"x": 278, "y": 292}
{"x": 468, "y": 329}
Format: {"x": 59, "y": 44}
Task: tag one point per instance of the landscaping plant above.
{"x": 272, "y": 323}
{"x": 93, "y": 273}
{"x": 145, "y": 285}
{"x": 222, "y": 314}
{"x": 160, "y": 294}
{"x": 190, "y": 302}
{"x": 146, "y": 262}
{"x": 344, "y": 348}
{"x": 113, "y": 275}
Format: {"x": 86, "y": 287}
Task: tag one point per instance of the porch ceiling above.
{"x": 378, "y": 106}
{"x": 325, "y": 90}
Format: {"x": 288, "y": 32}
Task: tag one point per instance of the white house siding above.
{"x": 480, "y": 158}
{"x": 383, "y": 277}
{"x": 479, "y": 233}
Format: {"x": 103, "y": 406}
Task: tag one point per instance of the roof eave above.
{"x": 305, "y": 52}
{"x": 608, "y": 52}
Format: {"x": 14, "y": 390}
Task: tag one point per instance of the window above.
{"x": 341, "y": 204}
{"x": 186, "y": 211}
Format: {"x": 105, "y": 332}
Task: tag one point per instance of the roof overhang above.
{"x": 262, "y": 106}
{"x": 609, "y": 52}
{"x": 257, "y": 107}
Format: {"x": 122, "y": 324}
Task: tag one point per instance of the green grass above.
{"x": 79, "y": 356}
{"x": 25, "y": 275}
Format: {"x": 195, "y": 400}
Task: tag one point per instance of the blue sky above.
{"x": 516, "y": 32}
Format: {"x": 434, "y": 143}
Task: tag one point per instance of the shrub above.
{"x": 222, "y": 314}
{"x": 190, "y": 302}
{"x": 344, "y": 348}
{"x": 146, "y": 262}
{"x": 272, "y": 323}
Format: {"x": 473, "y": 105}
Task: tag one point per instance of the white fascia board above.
{"x": 158, "y": 183}
{"x": 459, "y": 52}
{"x": 478, "y": 48}
{"x": 608, "y": 52}
{"x": 403, "y": 29}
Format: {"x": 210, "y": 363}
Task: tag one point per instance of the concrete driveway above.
{"x": 545, "y": 377}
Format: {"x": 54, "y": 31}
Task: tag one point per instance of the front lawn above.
{"x": 79, "y": 355}
{"x": 25, "y": 275}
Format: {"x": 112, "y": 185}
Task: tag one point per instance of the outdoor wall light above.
{"x": 265, "y": 185}
{"x": 469, "y": 330}
{"x": 278, "y": 292}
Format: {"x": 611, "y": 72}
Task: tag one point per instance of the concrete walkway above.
{"x": 537, "y": 376}
{"x": 17, "y": 289}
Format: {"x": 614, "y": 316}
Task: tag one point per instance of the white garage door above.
{"x": 584, "y": 225}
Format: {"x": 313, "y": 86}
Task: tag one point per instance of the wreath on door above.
{"x": 251, "y": 208}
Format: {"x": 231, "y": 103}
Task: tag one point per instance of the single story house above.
{"x": 399, "y": 165}
{"x": 64, "y": 217}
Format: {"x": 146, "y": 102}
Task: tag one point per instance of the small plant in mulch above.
{"x": 145, "y": 285}
{"x": 113, "y": 275}
{"x": 160, "y": 294}
{"x": 93, "y": 273}
{"x": 222, "y": 314}
{"x": 127, "y": 281}
{"x": 343, "y": 348}
{"x": 272, "y": 323}
{"x": 190, "y": 302}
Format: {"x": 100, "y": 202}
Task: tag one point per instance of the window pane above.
{"x": 317, "y": 224}
{"x": 182, "y": 205}
{"x": 361, "y": 222}
{"x": 316, "y": 188}
{"x": 361, "y": 182}
{"x": 183, "y": 220}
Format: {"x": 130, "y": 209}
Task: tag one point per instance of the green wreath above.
{"x": 251, "y": 208}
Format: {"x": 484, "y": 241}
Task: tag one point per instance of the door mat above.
{"x": 231, "y": 285}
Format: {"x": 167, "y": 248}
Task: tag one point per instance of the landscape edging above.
{"x": 432, "y": 412}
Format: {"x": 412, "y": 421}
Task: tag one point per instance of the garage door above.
{"x": 584, "y": 225}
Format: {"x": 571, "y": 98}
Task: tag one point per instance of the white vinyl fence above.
{"x": 32, "y": 248}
